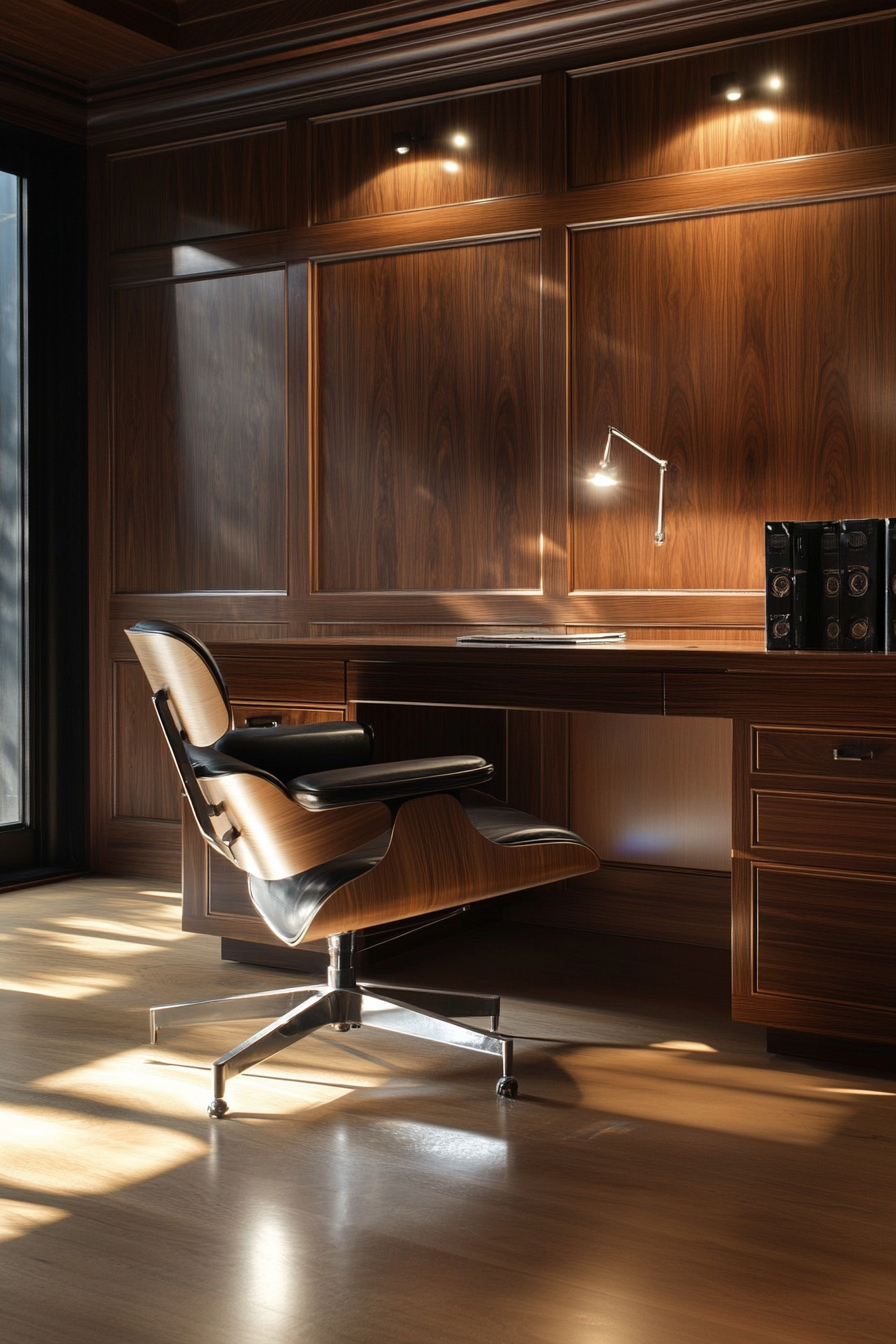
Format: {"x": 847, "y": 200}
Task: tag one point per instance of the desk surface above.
{"x": 719, "y": 679}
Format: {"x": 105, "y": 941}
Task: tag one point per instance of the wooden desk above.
{"x": 814, "y": 789}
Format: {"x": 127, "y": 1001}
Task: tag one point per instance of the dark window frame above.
{"x": 54, "y": 842}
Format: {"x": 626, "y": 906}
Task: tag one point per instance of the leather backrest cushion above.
{"x": 290, "y": 751}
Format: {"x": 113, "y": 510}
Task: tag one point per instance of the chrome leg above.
{"x": 234, "y": 1008}
{"x": 391, "y": 1015}
{"x": 445, "y": 1002}
{"x": 333, "y": 1007}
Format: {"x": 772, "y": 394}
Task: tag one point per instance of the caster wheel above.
{"x": 217, "y": 1108}
{"x": 342, "y": 1026}
{"x": 507, "y": 1086}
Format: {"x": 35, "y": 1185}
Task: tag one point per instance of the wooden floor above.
{"x": 660, "y": 1180}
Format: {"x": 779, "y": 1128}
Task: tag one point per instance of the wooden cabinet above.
{"x": 814, "y": 880}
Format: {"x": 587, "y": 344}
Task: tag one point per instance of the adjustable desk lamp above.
{"x": 606, "y": 475}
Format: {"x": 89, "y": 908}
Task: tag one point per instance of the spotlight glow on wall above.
{"x": 460, "y": 140}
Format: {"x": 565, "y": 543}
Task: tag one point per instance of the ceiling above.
{"x": 79, "y": 42}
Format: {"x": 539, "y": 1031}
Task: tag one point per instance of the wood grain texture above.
{"x": 577, "y": 688}
{"x": 754, "y": 351}
{"x": 411, "y": 732}
{"x": 779, "y": 751}
{"x": 145, "y": 781}
{"x": 280, "y": 680}
{"x": 199, "y": 458}
{"x": 436, "y": 859}
{"x": 837, "y": 94}
{"x": 636, "y": 901}
{"x": 826, "y": 937}
{"x": 357, "y": 172}
{"x": 428, "y": 420}
{"x": 829, "y": 828}
{"x": 229, "y": 184}
{"x": 78, "y": 47}
{"x": 776, "y": 697}
{"x": 653, "y": 790}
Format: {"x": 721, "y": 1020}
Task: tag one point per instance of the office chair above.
{"x": 333, "y": 844}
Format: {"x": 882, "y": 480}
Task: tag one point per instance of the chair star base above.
{"x": 429, "y": 1014}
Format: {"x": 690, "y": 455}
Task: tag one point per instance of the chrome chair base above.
{"x": 426, "y": 1013}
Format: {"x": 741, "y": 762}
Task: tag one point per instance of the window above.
{"x": 13, "y": 667}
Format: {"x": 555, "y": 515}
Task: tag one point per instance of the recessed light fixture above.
{"x": 403, "y": 141}
{"x": 775, "y": 82}
{"x": 460, "y": 140}
{"x": 728, "y": 86}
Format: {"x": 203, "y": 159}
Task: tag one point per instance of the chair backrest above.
{"x": 243, "y": 812}
{"x": 175, "y": 659}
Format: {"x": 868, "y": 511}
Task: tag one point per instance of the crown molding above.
{"x": 306, "y": 72}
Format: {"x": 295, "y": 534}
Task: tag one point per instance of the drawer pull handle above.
{"x": 846, "y": 756}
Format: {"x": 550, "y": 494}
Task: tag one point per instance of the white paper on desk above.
{"x": 526, "y": 637}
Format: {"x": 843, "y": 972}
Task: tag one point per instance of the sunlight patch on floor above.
{"x": 64, "y": 1153}
{"x": 179, "y": 1085}
{"x": 67, "y": 985}
{"x": 703, "y": 1093}
{"x": 17, "y": 1218}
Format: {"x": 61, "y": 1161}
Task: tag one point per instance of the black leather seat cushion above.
{"x": 390, "y": 781}
{"x": 298, "y": 750}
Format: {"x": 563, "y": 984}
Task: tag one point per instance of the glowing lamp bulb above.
{"x": 460, "y": 140}
{"x": 775, "y": 82}
{"x": 450, "y": 166}
{"x": 734, "y": 95}
{"x": 403, "y": 149}
{"x": 605, "y": 477}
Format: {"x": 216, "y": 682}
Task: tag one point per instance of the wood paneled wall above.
{"x": 336, "y": 392}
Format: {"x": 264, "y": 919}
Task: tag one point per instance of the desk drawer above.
{"x": 823, "y": 824}
{"x": 826, "y": 755}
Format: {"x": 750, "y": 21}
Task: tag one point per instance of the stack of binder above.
{"x": 831, "y": 585}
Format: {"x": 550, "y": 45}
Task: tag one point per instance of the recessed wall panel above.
{"x": 428, "y": 420}
{"x": 479, "y": 147}
{"x": 757, "y": 353}
{"x": 818, "y": 93}
{"x": 210, "y": 188}
{"x": 199, "y": 447}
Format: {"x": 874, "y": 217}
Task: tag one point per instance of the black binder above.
{"x": 806, "y": 542}
{"x": 831, "y": 633}
{"x": 778, "y": 586}
{"x": 890, "y": 585}
{"x": 861, "y": 584}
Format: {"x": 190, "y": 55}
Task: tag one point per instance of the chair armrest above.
{"x": 298, "y": 749}
{"x": 390, "y": 781}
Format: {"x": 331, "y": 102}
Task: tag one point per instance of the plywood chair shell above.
{"x": 277, "y": 837}
{"x": 203, "y": 711}
{"x": 438, "y": 859}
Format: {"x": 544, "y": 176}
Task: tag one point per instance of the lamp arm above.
{"x": 660, "y": 461}
{"x": 659, "y": 535}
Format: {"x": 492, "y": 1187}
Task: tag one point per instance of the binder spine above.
{"x": 806, "y": 550}
{"x": 778, "y": 587}
{"x": 890, "y": 585}
{"x": 831, "y": 632}
{"x": 861, "y": 584}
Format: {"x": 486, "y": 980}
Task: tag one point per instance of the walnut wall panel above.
{"x": 757, "y": 353}
{"x": 206, "y": 189}
{"x": 837, "y": 93}
{"x": 199, "y": 437}
{"x": 473, "y": 148}
{"x": 428, "y": 420}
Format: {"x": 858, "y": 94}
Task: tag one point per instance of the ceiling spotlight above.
{"x": 460, "y": 140}
{"x": 775, "y": 82}
{"x": 403, "y": 142}
{"x": 728, "y": 86}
